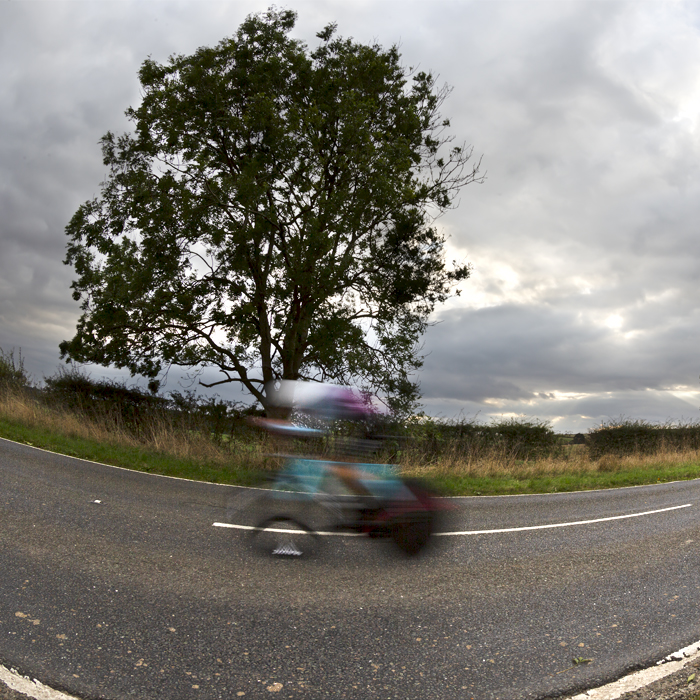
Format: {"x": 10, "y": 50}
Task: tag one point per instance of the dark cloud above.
{"x": 584, "y": 238}
{"x": 538, "y": 361}
{"x": 542, "y": 350}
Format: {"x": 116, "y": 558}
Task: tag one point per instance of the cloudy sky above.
{"x": 582, "y": 306}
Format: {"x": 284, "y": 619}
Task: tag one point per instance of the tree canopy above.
{"x": 272, "y": 216}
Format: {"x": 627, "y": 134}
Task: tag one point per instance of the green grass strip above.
{"x": 145, "y": 460}
{"x": 136, "y": 458}
{"x": 560, "y": 483}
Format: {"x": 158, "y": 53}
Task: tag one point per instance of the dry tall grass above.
{"x": 19, "y": 406}
{"x": 165, "y": 434}
{"x": 160, "y": 432}
{"x": 569, "y": 460}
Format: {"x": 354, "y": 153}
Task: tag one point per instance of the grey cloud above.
{"x": 523, "y": 351}
{"x": 589, "y": 209}
{"x": 575, "y": 415}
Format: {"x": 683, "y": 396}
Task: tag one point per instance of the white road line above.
{"x": 285, "y": 531}
{"x": 640, "y": 679}
{"x": 466, "y": 532}
{"x": 32, "y": 688}
{"x": 553, "y": 525}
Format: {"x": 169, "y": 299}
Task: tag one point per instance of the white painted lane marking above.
{"x": 553, "y": 525}
{"x": 640, "y": 679}
{"x": 286, "y": 532}
{"x": 464, "y": 532}
{"x": 32, "y": 688}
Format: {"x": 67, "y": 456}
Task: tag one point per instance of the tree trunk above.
{"x": 277, "y": 412}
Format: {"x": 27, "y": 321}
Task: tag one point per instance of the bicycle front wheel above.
{"x": 284, "y": 536}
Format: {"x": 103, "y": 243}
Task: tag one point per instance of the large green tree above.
{"x": 272, "y": 216}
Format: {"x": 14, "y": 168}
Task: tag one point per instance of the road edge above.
{"x": 668, "y": 666}
{"x": 31, "y": 688}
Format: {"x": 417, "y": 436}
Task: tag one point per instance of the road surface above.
{"x": 116, "y": 584}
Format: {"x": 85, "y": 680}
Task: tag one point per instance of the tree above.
{"x": 272, "y": 216}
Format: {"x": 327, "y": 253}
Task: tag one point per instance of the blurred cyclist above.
{"x": 331, "y": 403}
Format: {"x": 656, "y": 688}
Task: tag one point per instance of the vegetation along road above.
{"x": 116, "y": 584}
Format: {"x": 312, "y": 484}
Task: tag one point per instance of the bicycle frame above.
{"x": 394, "y": 507}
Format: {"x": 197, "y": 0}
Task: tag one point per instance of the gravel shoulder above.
{"x": 673, "y": 687}
{"x": 9, "y": 694}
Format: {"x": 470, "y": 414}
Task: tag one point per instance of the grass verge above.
{"x": 138, "y": 458}
{"x": 560, "y": 483}
{"x": 489, "y": 478}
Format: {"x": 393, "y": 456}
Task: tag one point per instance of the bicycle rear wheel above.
{"x": 411, "y": 532}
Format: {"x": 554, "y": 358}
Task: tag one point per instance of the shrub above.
{"x": 464, "y": 439}
{"x": 626, "y": 437}
{"x": 74, "y": 390}
{"x": 12, "y": 372}
{"x": 222, "y": 420}
{"x": 525, "y": 439}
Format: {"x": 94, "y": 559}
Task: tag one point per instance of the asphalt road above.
{"x": 115, "y": 584}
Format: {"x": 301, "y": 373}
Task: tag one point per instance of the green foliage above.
{"x": 242, "y": 466}
{"x": 625, "y": 437}
{"x": 222, "y": 420}
{"x": 518, "y": 439}
{"x": 183, "y": 435}
{"x": 76, "y": 391}
{"x": 525, "y": 439}
{"x": 12, "y": 372}
{"x": 272, "y": 217}
{"x": 237, "y": 470}
{"x": 136, "y": 410}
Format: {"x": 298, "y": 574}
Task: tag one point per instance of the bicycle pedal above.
{"x": 287, "y": 550}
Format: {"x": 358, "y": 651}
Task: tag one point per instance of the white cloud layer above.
{"x": 584, "y": 240}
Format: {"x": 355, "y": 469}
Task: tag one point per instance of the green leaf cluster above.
{"x": 272, "y": 216}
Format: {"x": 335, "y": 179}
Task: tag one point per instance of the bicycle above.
{"x": 306, "y": 503}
